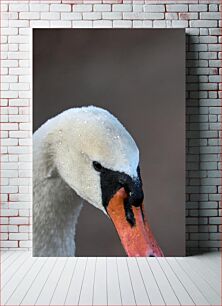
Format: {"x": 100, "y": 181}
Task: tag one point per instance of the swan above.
{"x": 86, "y": 154}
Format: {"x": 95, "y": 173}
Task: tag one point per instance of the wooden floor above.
{"x": 27, "y": 280}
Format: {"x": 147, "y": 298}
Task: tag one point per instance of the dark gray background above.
{"x": 139, "y": 76}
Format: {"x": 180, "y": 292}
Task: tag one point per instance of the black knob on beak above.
{"x": 135, "y": 191}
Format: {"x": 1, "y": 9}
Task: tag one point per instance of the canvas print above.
{"x": 108, "y": 143}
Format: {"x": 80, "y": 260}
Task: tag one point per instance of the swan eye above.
{"x": 97, "y": 166}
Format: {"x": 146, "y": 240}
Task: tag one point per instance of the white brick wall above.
{"x": 203, "y": 105}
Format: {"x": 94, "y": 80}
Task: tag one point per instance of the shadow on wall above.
{"x": 196, "y": 226}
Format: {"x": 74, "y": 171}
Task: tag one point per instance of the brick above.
{"x": 162, "y": 24}
{"x": 5, "y": 228}
{"x": 177, "y": 8}
{"x": 9, "y": 63}
{"x": 25, "y": 244}
{"x": 208, "y": 15}
{"x": 215, "y": 78}
{"x": 18, "y": 23}
{"x": 208, "y": 212}
{"x": 29, "y": 15}
{"x": 138, "y": 15}
{"x": 171, "y": 16}
{"x": 122, "y": 23}
{"x": 82, "y": 7}
{"x": 9, "y": 31}
{"x": 9, "y": 142}
{"x": 4, "y": 7}
{"x": 187, "y": 16}
{"x": 102, "y": 7}
{"x": 50, "y": 16}
{"x": 18, "y": 236}
{"x": 214, "y": 63}
{"x": 24, "y": 229}
{"x": 180, "y": 23}
{"x": 203, "y": 23}
{"x": 9, "y": 94}
{"x": 82, "y": 24}
{"x": 19, "y": 102}
{"x": 13, "y": 47}
{"x": 208, "y": 39}
{"x": 39, "y": 24}
{"x": 24, "y": 212}
{"x": 18, "y": 220}
{"x": 12, "y": 158}
{"x": 60, "y": 8}
{"x": 210, "y": 244}
{"x": 9, "y": 173}
{"x": 20, "y": 182}
{"x": 102, "y": 23}
{"x": 18, "y": 149}
{"x": 8, "y": 244}
{"x": 18, "y": 7}
{"x": 215, "y": 31}
{"x": 4, "y": 220}
{"x": 215, "y": 236}
{"x": 19, "y": 86}
{"x": 122, "y": 7}
{"x": 9, "y": 212}
{"x": 154, "y": 8}
{"x": 9, "y": 78}
{"x": 60, "y": 24}
{"x": 10, "y": 15}
{"x": 19, "y": 71}
{"x": 213, "y": 7}
{"x": 197, "y": 7}
{"x": 37, "y": 7}
{"x": 19, "y": 118}
{"x": 26, "y": 47}
{"x": 199, "y": 236}
{"x": 9, "y": 126}
{"x": 71, "y": 16}
{"x": 93, "y": 15}
{"x": 209, "y": 228}
{"x": 208, "y": 205}
{"x": 207, "y": 55}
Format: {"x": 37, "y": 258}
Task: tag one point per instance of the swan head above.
{"x": 97, "y": 157}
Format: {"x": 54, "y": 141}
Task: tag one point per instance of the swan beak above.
{"x": 137, "y": 239}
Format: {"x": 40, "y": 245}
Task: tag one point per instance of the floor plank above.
{"x": 212, "y": 261}
{"x": 35, "y": 289}
{"x": 86, "y": 294}
{"x": 6, "y": 256}
{"x": 167, "y": 291}
{"x": 17, "y": 279}
{"x": 213, "y": 279}
{"x": 10, "y": 262}
{"x": 18, "y": 295}
{"x": 62, "y": 288}
{"x": 210, "y": 294}
{"x": 137, "y": 282}
{"x": 188, "y": 283}
{"x": 180, "y": 291}
{"x": 127, "y": 294}
{"x": 74, "y": 290}
{"x": 100, "y": 283}
{"x": 49, "y": 287}
{"x": 113, "y": 285}
{"x": 151, "y": 285}
{"x": 13, "y": 269}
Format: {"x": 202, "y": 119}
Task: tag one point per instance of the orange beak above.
{"x": 136, "y": 239}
